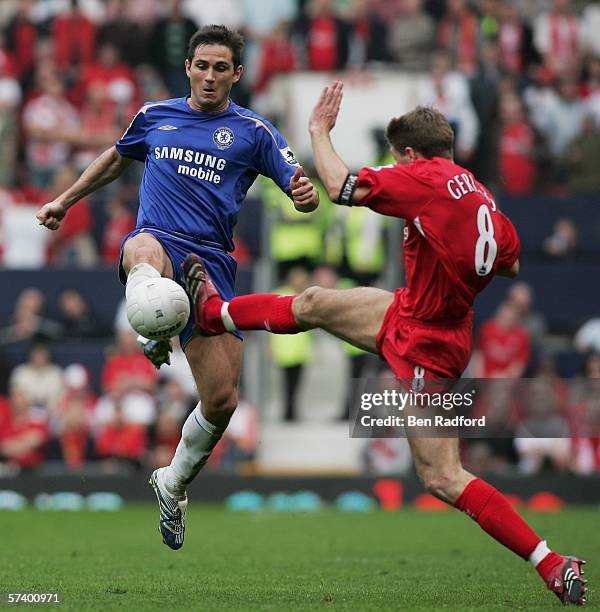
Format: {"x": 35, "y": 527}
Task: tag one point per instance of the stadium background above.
{"x": 82, "y": 410}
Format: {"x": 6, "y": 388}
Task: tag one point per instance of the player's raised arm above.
{"x": 340, "y": 184}
{"x": 103, "y": 170}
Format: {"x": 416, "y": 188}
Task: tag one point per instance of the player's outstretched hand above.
{"x": 50, "y": 215}
{"x": 304, "y": 194}
{"x": 325, "y": 112}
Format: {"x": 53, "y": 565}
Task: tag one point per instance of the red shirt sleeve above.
{"x": 510, "y": 246}
{"x": 396, "y": 191}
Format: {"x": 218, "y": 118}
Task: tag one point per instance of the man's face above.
{"x": 212, "y": 76}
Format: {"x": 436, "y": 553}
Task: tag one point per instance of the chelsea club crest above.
{"x": 223, "y": 137}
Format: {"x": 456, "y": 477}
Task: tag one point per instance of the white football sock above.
{"x": 139, "y": 273}
{"x": 198, "y": 438}
{"x": 539, "y": 552}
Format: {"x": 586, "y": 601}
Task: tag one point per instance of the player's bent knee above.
{"x": 144, "y": 249}
{"x": 221, "y": 404}
{"x": 306, "y": 307}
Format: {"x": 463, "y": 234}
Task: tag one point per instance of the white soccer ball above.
{"x": 158, "y": 308}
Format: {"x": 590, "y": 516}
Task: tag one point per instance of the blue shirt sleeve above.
{"x": 274, "y": 158}
{"x": 133, "y": 142}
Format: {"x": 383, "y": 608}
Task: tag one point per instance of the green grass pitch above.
{"x": 284, "y": 562}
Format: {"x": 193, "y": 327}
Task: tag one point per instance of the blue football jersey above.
{"x": 199, "y": 166}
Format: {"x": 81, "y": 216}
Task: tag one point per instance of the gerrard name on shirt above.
{"x": 462, "y": 184}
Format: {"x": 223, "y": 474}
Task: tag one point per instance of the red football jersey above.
{"x": 455, "y": 237}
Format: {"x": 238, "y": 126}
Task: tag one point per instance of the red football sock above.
{"x": 486, "y": 505}
{"x": 268, "y": 311}
{"x": 547, "y": 564}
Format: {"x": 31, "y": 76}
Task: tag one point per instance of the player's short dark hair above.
{"x": 424, "y": 129}
{"x": 218, "y": 35}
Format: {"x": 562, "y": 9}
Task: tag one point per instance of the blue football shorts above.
{"x": 220, "y": 265}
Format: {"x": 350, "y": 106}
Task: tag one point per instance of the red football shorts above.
{"x": 423, "y": 350}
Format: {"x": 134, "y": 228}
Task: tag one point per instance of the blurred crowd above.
{"x": 518, "y": 80}
{"x": 51, "y": 413}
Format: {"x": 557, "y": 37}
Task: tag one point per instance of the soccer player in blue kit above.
{"x": 201, "y": 155}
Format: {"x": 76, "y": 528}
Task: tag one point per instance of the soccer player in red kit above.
{"x": 455, "y": 241}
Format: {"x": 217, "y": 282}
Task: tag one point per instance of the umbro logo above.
{"x": 167, "y": 127}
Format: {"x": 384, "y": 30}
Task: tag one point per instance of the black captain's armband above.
{"x": 348, "y": 189}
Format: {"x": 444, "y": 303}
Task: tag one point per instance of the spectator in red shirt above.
{"x": 77, "y": 391}
{"x": 517, "y": 148}
{"x": 277, "y": 55}
{"x": 74, "y": 441}
{"x": 23, "y": 437}
{"x": 119, "y": 439}
{"x": 324, "y": 37}
{"x": 74, "y": 444}
{"x": 127, "y": 369}
{"x": 503, "y": 345}
{"x": 117, "y": 78}
{"x": 74, "y": 38}
{"x": 21, "y": 39}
